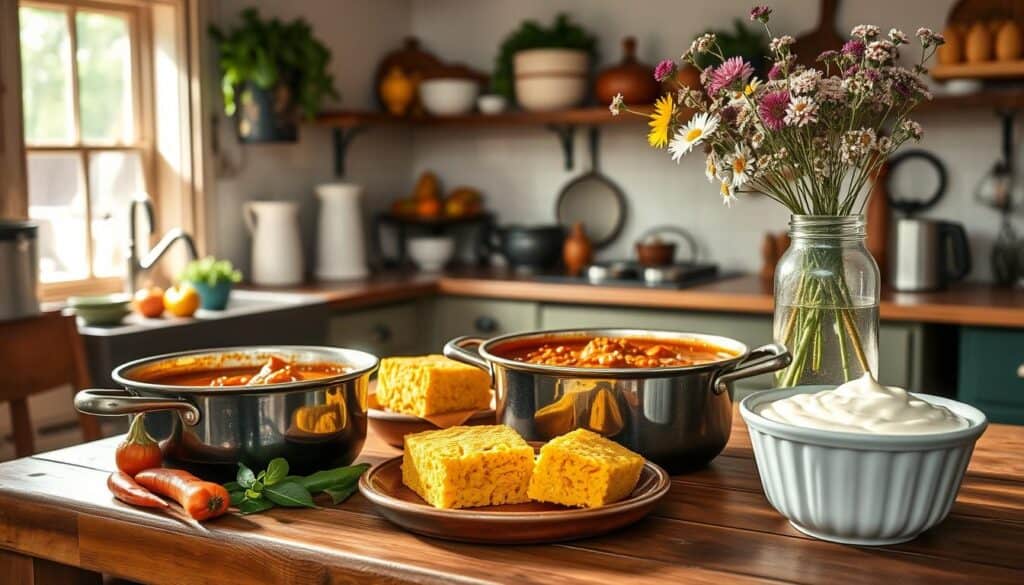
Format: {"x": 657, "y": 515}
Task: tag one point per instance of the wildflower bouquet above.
{"x": 809, "y": 138}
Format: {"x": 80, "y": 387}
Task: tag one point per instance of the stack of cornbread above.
{"x": 464, "y": 467}
{"x": 429, "y": 385}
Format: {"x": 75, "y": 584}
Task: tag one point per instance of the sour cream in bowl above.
{"x": 861, "y": 463}
{"x": 864, "y": 406}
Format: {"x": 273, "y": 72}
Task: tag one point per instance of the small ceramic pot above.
{"x": 213, "y": 298}
{"x": 491, "y": 103}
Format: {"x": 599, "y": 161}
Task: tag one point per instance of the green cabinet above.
{"x": 457, "y": 316}
{"x": 398, "y": 329}
{"x": 991, "y": 375}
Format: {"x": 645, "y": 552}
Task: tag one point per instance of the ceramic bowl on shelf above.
{"x": 858, "y": 488}
{"x": 431, "y": 254}
{"x": 491, "y": 103}
{"x": 101, "y": 309}
{"x": 547, "y": 80}
{"x": 448, "y": 96}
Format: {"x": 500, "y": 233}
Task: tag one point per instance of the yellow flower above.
{"x": 661, "y": 119}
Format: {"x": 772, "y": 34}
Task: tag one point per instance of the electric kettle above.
{"x": 929, "y": 255}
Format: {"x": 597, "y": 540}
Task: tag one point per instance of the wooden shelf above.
{"x": 987, "y": 70}
{"x": 590, "y": 116}
{"x": 347, "y": 124}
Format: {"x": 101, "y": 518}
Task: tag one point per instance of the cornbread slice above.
{"x": 584, "y": 469}
{"x": 431, "y": 384}
{"x": 465, "y": 467}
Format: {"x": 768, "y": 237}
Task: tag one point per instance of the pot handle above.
{"x": 456, "y": 350}
{"x": 115, "y": 402}
{"x": 767, "y": 358}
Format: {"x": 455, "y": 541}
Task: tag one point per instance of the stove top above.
{"x": 630, "y": 273}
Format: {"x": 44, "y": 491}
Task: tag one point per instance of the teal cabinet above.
{"x": 991, "y": 373}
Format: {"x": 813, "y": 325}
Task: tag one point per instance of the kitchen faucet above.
{"x": 136, "y": 265}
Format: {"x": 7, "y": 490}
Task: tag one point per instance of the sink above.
{"x": 251, "y": 318}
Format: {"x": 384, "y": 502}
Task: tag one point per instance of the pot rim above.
{"x": 566, "y": 371}
{"x": 365, "y": 364}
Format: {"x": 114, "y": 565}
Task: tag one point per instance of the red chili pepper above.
{"x": 129, "y": 491}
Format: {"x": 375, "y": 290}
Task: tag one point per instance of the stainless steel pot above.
{"x": 314, "y": 424}
{"x": 678, "y": 417}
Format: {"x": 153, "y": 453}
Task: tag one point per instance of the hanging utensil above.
{"x": 593, "y": 200}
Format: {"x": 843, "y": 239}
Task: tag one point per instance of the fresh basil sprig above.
{"x": 257, "y": 492}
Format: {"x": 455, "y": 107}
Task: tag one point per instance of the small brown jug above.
{"x": 577, "y": 251}
{"x": 634, "y": 80}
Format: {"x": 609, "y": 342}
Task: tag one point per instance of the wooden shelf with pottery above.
{"x": 588, "y": 116}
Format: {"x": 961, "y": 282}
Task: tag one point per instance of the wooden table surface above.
{"x": 715, "y": 526}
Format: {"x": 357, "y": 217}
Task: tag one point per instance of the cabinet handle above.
{"x": 381, "y": 333}
{"x": 1020, "y": 371}
{"x": 485, "y": 324}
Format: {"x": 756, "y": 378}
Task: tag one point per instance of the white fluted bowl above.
{"x": 855, "y": 488}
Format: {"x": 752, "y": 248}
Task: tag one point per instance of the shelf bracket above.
{"x": 566, "y": 134}
{"x": 342, "y": 139}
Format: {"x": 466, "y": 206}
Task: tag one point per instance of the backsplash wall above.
{"x": 521, "y": 169}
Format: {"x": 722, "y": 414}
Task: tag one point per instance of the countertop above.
{"x": 962, "y": 304}
{"x": 59, "y": 523}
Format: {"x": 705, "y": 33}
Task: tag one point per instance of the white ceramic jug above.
{"x": 341, "y": 252}
{"x": 276, "y": 246}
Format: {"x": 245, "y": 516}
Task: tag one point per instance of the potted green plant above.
{"x": 545, "y": 68}
{"x": 271, "y": 73}
{"x": 213, "y": 280}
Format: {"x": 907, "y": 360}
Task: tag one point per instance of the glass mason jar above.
{"x": 826, "y": 301}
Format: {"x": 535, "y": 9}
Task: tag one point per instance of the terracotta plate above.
{"x": 532, "y": 522}
{"x": 394, "y": 426}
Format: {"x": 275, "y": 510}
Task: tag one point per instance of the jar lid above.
{"x": 12, "y": 229}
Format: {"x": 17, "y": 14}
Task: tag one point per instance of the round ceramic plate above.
{"x": 394, "y": 426}
{"x": 531, "y": 522}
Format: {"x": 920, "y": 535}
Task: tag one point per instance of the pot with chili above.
{"x": 213, "y": 408}
{"x": 666, "y": 395}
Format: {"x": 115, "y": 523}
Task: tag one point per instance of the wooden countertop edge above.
{"x": 740, "y": 294}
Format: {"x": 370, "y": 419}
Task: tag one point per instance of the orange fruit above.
{"x": 149, "y": 301}
{"x": 181, "y": 300}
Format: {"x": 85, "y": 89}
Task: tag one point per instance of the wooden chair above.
{"x": 38, "y": 354}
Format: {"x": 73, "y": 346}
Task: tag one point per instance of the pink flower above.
{"x": 854, "y": 47}
{"x": 664, "y": 70}
{"x": 775, "y": 72}
{"x": 772, "y": 109}
{"x": 760, "y": 13}
{"x": 732, "y": 70}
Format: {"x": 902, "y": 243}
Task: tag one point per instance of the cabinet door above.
{"x": 992, "y": 372}
{"x": 382, "y": 331}
{"x": 455, "y": 316}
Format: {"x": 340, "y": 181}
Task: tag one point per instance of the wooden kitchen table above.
{"x": 58, "y": 524}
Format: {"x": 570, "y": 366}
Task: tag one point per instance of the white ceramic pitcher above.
{"x": 276, "y": 245}
{"x": 341, "y": 251}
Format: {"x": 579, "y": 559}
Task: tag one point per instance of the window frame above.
{"x": 142, "y": 121}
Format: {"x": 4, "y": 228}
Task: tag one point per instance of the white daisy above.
{"x": 693, "y": 133}
{"x": 740, "y": 167}
{"x": 616, "y": 104}
{"x": 728, "y": 194}
{"x": 710, "y": 168}
{"x": 801, "y": 111}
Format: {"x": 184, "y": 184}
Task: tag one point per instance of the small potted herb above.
{"x": 271, "y": 72}
{"x": 213, "y": 280}
{"x": 545, "y": 68}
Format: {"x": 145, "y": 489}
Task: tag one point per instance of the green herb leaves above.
{"x": 253, "y": 492}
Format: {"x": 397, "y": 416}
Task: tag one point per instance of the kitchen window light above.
{"x": 106, "y": 117}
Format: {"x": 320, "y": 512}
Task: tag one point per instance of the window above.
{"x": 87, "y": 150}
